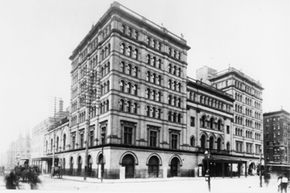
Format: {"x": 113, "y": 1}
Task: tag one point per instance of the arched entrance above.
{"x": 252, "y": 168}
{"x": 90, "y": 163}
{"x": 71, "y": 165}
{"x": 129, "y": 163}
{"x": 153, "y": 167}
{"x": 174, "y": 166}
{"x": 79, "y": 171}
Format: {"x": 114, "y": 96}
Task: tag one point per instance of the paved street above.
{"x": 224, "y": 185}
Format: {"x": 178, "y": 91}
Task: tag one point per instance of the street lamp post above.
{"x": 207, "y": 173}
{"x": 260, "y": 173}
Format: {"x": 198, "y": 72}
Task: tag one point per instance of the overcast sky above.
{"x": 37, "y": 37}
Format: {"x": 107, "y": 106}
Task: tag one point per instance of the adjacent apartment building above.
{"x": 247, "y": 139}
{"x": 276, "y": 140}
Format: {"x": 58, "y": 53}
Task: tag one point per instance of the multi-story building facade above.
{"x": 38, "y": 147}
{"x": 248, "y": 123}
{"x": 276, "y": 139}
{"x": 209, "y": 123}
{"x": 131, "y": 68}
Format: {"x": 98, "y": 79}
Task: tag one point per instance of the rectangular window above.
{"x": 103, "y": 135}
{"x": 153, "y": 138}
{"x": 174, "y": 139}
{"x": 92, "y": 138}
{"x": 239, "y": 146}
{"x": 249, "y": 147}
{"x": 81, "y": 140}
{"x": 73, "y": 141}
{"x": 128, "y": 135}
{"x": 192, "y": 121}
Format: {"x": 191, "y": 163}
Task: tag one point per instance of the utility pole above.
{"x": 90, "y": 78}
{"x": 260, "y": 172}
{"x": 53, "y": 146}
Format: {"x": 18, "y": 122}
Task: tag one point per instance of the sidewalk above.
{"x": 140, "y": 180}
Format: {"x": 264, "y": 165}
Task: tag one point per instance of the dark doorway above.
{"x": 153, "y": 167}
{"x": 129, "y": 163}
{"x": 174, "y": 167}
{"x": 79, "y": 171}
{"x": 71, "y": 166}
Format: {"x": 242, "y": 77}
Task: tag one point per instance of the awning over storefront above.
{"x": 228, "y": 159}
{"x": 48, "y": 158}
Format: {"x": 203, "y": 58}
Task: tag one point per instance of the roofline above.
{"x": 276, "y": 112}
{"x": 238, "y": 73}
{"x": 120, "y": 9}
{"x": 210, "y": 88}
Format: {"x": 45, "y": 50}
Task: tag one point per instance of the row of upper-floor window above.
{"x": 128, "y": 87}
{"x": 153, "y": 94}
{"x": 153, "y": 112}
{"x": 105, "y": 87}
{"x": 209, "y": 101}
{"x": 249, "y": 147}
{"x": 151, "y": 41}
{"x": 93, "y": 44}
{"x": 211, "y": 123}
{"x": 248, "y": 134}
{"x": 238, "y": 84}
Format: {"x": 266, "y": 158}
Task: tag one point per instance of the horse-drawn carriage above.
{"x": 57, "y": 171}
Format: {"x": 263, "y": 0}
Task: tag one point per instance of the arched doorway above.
{"x": 79, "y": 171}
{"x": 252, "y": 168}
{"x": 153, "y": 167}
{"x": 71, "y": 165}
{"x": 101, "y": 165}
{"x": 174, "y": 166}
{"x": 129, "y": 163}
{"x": 90, "y": 163}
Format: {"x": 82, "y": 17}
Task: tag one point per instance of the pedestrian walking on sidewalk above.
{"x": 284, "y": 183}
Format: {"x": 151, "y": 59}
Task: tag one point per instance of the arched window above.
{"x": 122, "y": 66}
{"x": 121, "y": 103}
{"x": 219, "y": 144}
{"x": 148, "y": 111}
{"x": 228, "y": 146}
{"x": 159, "y": 63}
{"x": 202, "y": 121}
{"x": 123, "y": 29}
{"x": 128, "y": 107}
{"x": 148, "y": 59}
{"x": 192, "y": 141}
{"x": 154, "y": 61}
{"x": 128, "y": 87}
{"x": 169, "y": 99}
{"x": 202, "y": 141}
{"x": 135, "y": 106}
{"x": 64, "y": 141}
{"x": 169, "y": 116}
{"x": 129, "y": 51}
{"x": 169, "y": 83}
{"x": 122, "y": 50}
{"x": 169, "y": 68}
{"x": 148, "y": 76}
{"x": 211, "y": 122}
{"x": 107, "y": 105}
{"x": 135, "y": 89}
{"x": 122, "y": 85}
{"x": 219, "y": 124}
{"x": 135, "y": 54}
{"x": 211, "y": 142}
{"x": 129, "y": 69}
